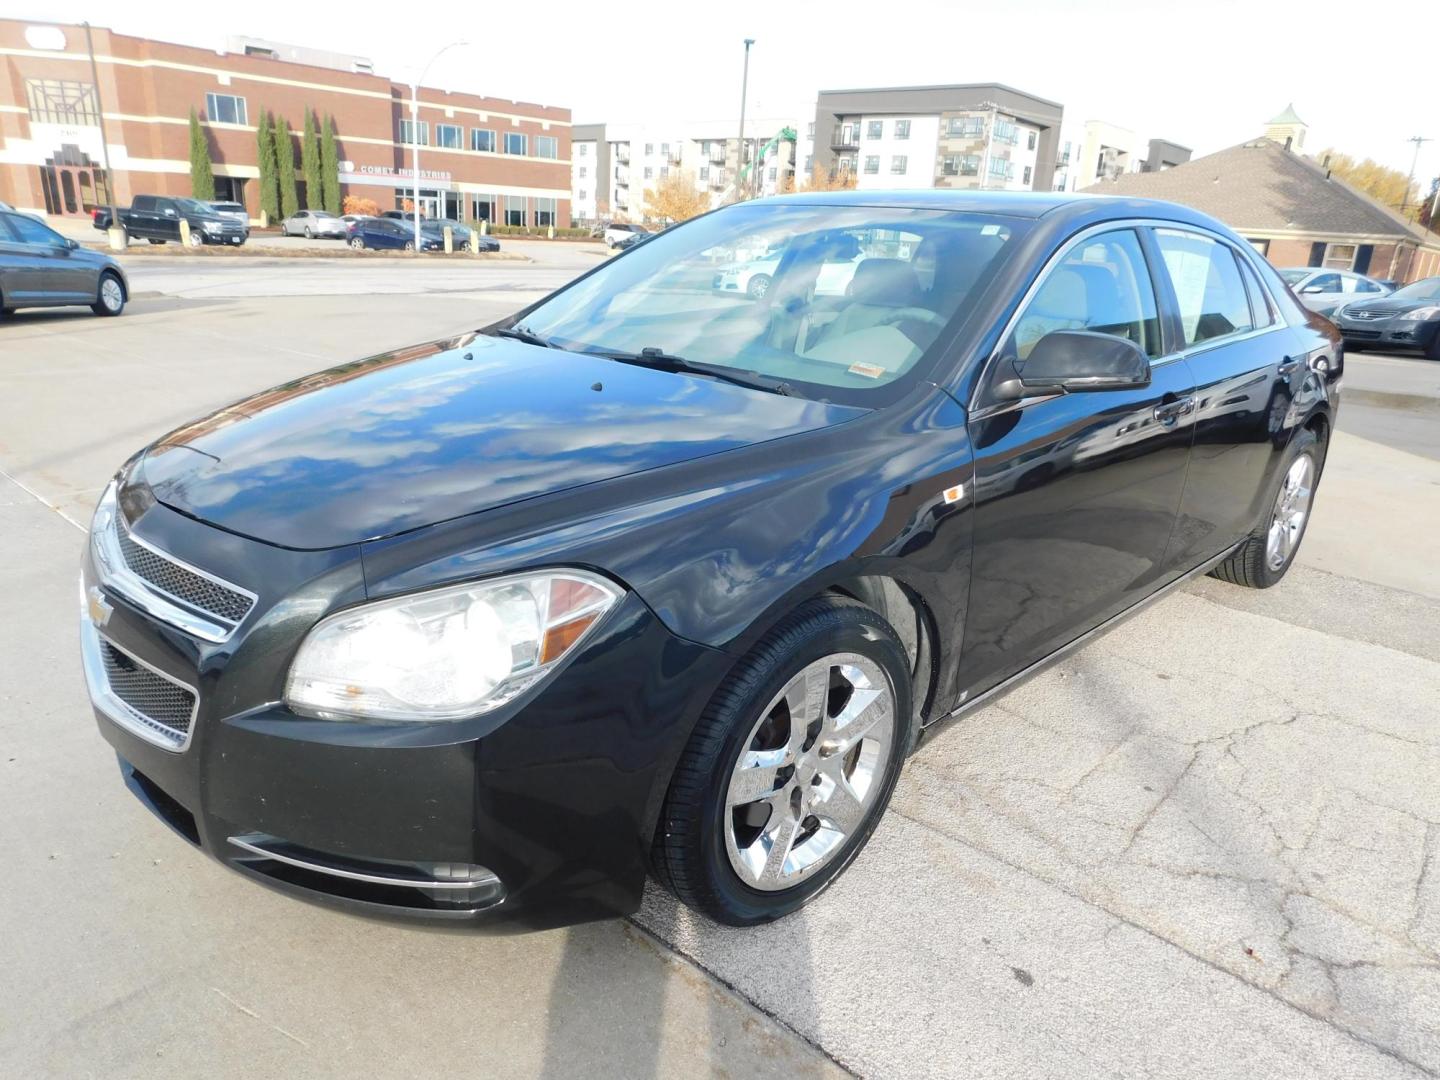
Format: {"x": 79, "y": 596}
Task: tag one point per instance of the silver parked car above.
{"x": 1322, "y": 290}
{"x": 41, "y": 268}
{"x": 231, "y": 211}
{"x": 312, "y": 223}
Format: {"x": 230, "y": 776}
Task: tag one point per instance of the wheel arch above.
{"x": 110, "y": 271}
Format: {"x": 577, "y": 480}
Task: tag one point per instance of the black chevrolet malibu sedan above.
{"x": 651, "y": 578}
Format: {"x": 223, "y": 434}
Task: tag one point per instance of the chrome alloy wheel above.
{"x": 111, "y": 295}
{"x": 1292, "y": 507}
{"x": 809, "y": 771}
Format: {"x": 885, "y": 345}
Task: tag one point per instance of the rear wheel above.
{"x": 790, "y": 767}
{"x": 111, "y": 298}
{"x": 1262, "y": 560}
{"x": 358, "y": 243}
{"x": 409, "y": 245}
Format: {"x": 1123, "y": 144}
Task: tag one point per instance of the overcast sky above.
{"x": 1206, "y": 75}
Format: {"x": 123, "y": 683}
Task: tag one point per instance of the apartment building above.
{"x": 612, "y": 165}
{"x": 482, "y": 158}
{"x": 973, "y": 135}
{"x": 1099, "y": 150}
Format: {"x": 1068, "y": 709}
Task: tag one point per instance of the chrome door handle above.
{"x": 1288, "y": 365}
{"x": 1173, "y": 410}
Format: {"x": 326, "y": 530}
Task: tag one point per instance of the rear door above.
{"x": 1075, "y": 494}
{"x": 1243, "y": 360}
{"x": 57, "y": 275}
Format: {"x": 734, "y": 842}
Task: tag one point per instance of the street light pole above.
{"x": 415, "y": 136}
{"x": 744, "y": 88}
{"x": 100, "y": 119}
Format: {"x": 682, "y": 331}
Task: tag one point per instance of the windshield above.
{"x": 825, "y": 296}
{"x": 1425, "y": 289}
{"x": 1294, "y": 277}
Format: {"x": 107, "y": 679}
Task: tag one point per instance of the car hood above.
{"x": 438, "y": 431}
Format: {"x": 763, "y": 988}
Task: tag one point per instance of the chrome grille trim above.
{"x": 114, "y": 547}
{"x": 98, "y": 654}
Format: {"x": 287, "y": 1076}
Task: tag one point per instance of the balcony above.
{"x": 845, "y": 137}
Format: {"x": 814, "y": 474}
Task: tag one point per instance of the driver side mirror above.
{"x": 1312, "y": 289}
{"x": 1069, "y": 361}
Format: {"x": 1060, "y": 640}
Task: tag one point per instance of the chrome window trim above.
{"x": 1063, "y": 250}
{"x": 116, "y": 575}
{"x": 105, "y": 699}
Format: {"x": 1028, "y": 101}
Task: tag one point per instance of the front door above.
{"x": 1076, "y": 494}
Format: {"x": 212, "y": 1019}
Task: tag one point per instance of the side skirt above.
{"x": 1027, "y": 673}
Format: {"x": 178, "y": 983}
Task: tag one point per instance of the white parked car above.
{"x": 753, "y": 278}
{"x": 312, "y": 223}
{"x": 620, "y": 230}
{"x": 1322, "y": 290}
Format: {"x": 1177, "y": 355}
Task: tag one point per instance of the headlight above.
{"x": 448, "y": 653}
{"x": 212, "y": 226}
{"x": 1422, "y": 314}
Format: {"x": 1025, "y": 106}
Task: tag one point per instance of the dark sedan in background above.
{"x": 1408, "y": 318}
{"x": 648, "y": 578}
{"x": 41, "y": 268}
{"x": 380, "y": 233}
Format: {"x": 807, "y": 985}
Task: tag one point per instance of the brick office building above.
{"x": 481, "y": 157}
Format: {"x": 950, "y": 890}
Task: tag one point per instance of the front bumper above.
{"x": 539, "y": 814}
{"x": 1397, "y": 333}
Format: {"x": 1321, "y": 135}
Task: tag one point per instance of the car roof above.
{"x": 1024, "y": 204}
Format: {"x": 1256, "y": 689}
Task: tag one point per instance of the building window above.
{"x": 649, "y": 149}
{"x": 482, "y": 208}
{"x": 1006, "y": 132}
{"x": 897, "y": 164}
{"x": 408, "y": 129}
{"x": 516, "y": 143}
{"x": 810, "y": 130}
{"x": 547, "y": 146}
{"x": 450, "y": 136}
{"x": 1030, "y": 141}
{"x": 772, "y": 174}
{"x": 54, "y": 101}
{"x": 1001, "y": 169}
{"x": 704, "y": 173}
{"x": 515, "y": 210}
{"x": 902, "y": 129}
{"x": 872, "y": 164}
{"x": 876, "y": 129}
{"x": 966, "y": 127}
{"x": 225, "y": 109}
{"x": 1027, "y": 176}
{"x": 665, "y": 149}
{"x": 649, "y": 172}
{"x": 545, "y": 212}
{"x": 664, "y": 170}
{"x": 580, "y": 195}
{"x": 1262, "y": 246}
{"x": 809, "y": 163}
{"x": 584, "y": 149}
{"x": 582, "y": 172}
{"x": 1339, "y": 257}
{"x": 482, "y": 139}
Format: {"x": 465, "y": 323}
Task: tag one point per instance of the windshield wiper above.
{"x": 525, "y": 334}
{"x": 663, "y": 361}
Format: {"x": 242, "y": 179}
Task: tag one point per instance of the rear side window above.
{"x": 144, "y": 202}
{"x": 1209, "y": 291}
{"x": 1259, "y": 303}
{"x": 1102, "y": 285}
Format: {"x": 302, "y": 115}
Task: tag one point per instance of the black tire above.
{"x": 409, "y": 245}
{"x": 689, "y": 854}
{"x": 759, "y": 286}
{"x": 101, "y": 307}
{"x": 1247, "y": 565}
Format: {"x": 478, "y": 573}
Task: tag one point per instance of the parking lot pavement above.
{"x": 1206, "y": 844}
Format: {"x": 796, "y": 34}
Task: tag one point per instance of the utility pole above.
{"x": 415, "y": 135}
{"x": 100, "y": 116}
{"x": 744, "y": 88}
{"x": 1418, "y": 140}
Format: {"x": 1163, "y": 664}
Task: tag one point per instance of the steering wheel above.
{"x": 913, "y": 314}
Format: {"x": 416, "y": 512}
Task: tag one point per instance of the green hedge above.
{"x": 539, "y": 231}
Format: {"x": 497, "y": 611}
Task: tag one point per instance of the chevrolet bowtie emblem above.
{"x": 97, "y": 606}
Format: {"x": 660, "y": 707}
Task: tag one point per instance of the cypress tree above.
{"x": 202, "y": 172}
{"x": 310, "y": 164}
{"x": 330, "y": 166}
{"x": 269, "y": 187}
{"x": 285, "y": 168}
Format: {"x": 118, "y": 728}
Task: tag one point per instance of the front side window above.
{"x": 482, "y": 139}
{"x": 516, "y": 143}
{"x": 449, "y": 136}
{"x": 225, "y": 108}
{"x": 1102, "y": 285}
{"x": 857, "y": 296}
{"x": 1209, "y": 291}
{"x": 547, "y": 146}
{"x": 29, "y": 231}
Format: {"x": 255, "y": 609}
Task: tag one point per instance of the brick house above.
{"x": 481, "y": 157}
{"x": 1292, "y": 210}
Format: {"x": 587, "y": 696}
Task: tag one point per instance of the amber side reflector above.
{"x": 559, "y": 638}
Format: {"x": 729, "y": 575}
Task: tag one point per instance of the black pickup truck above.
{"x": 157, "y": 218}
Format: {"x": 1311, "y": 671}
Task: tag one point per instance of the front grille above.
{"x": 150, "y": 695}
{"x": 175, "y": 580}
{"x": 1367, "y": 314}
{"x": 1363, "y": 335}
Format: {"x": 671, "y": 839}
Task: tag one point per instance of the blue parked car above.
{"x": 387, "y": 233}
